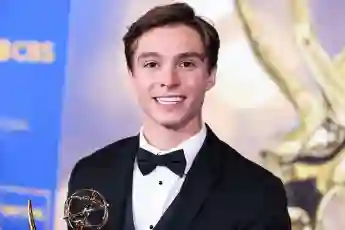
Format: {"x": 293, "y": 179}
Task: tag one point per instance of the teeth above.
{"x": 169, "y": 100}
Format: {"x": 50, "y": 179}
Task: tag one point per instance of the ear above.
{"x": 211, "y": 80}
{"x": 130, "y": 72}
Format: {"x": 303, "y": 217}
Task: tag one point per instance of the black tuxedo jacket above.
{"x": 222, "y": 191}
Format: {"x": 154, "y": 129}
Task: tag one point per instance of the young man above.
{"x": 176, "y": 174}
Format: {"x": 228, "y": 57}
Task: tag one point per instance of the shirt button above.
{"x": 151, "y": 226}
{"x": 160, "y": 182}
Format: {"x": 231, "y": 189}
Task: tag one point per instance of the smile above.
{"x": 170, "y": 100}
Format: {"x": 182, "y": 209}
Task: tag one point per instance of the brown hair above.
{"x": 172, "y": 14}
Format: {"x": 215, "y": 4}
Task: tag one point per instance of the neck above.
{"x": 165, "y": 138}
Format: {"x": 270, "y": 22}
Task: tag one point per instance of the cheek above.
{"x": 140, "y": 81}
{"x": 143, "y": 89}
{"x": 196, "y": 86}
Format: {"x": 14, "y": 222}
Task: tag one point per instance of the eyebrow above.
{"x": 148, "y": 55}
{"x": 197, "y": 55}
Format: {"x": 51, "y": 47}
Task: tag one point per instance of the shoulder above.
{"x": 255, "y": 191}
{"x": 100, "y": 164}
{"x": 248, "y": 173}
{"x": 103, "y": 157}
{"x": 261, "y": 190}
{"x": 237, "y": 168}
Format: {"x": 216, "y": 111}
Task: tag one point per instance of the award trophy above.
{"x": 84, "y": 209}
{"x": 32, "y": 225}
{"x": 310, "y": 159}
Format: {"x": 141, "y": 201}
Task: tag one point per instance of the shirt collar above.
{"x": 191, "y": 146}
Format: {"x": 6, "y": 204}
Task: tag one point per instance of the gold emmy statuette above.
{"x": 86, "y": 208}
{"x": 311, "y": 158}
{"x": 32, "y": 225}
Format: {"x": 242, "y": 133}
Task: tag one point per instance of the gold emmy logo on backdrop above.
{"x": 27, "y": 51}
{"x": 86, "y": 208}
{"x": 312, "y": 156}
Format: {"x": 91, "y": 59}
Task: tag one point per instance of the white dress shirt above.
{"x": 153, "y": 193}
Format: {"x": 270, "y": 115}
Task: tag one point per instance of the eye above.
{"x": 187, "y": 64}
{"x": 150, "y": 64}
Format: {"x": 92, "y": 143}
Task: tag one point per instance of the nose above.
{"x": 169, "y": 78}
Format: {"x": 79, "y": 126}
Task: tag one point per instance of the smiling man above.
{"x": 176, "y": 174}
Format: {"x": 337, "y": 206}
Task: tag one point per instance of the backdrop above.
{"x": 64, "y": 91}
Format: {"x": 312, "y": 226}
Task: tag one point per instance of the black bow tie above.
{"x": 148, "y": 161}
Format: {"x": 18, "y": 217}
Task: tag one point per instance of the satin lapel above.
{"x": 119, "y": 178}
{"x": 199, "y": 181}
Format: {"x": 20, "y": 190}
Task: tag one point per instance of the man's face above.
{"x": 170, "y": 75}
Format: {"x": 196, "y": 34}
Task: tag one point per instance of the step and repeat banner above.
{"x": 33, "y": 51}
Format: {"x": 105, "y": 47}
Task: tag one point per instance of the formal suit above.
{"x": 221, "y": 191}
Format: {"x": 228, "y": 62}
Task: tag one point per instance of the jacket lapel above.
{"x": 119, "y": 178}
{"x": 201, "y": 178}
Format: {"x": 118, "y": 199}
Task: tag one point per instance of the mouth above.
{"x": 170, "y": 100}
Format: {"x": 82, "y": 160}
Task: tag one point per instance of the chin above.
{"x": 171, "y": 123}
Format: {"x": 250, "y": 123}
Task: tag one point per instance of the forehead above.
{"x": 170, "y": 41}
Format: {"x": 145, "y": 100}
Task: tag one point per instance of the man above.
{"x": 176, "y": 174}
